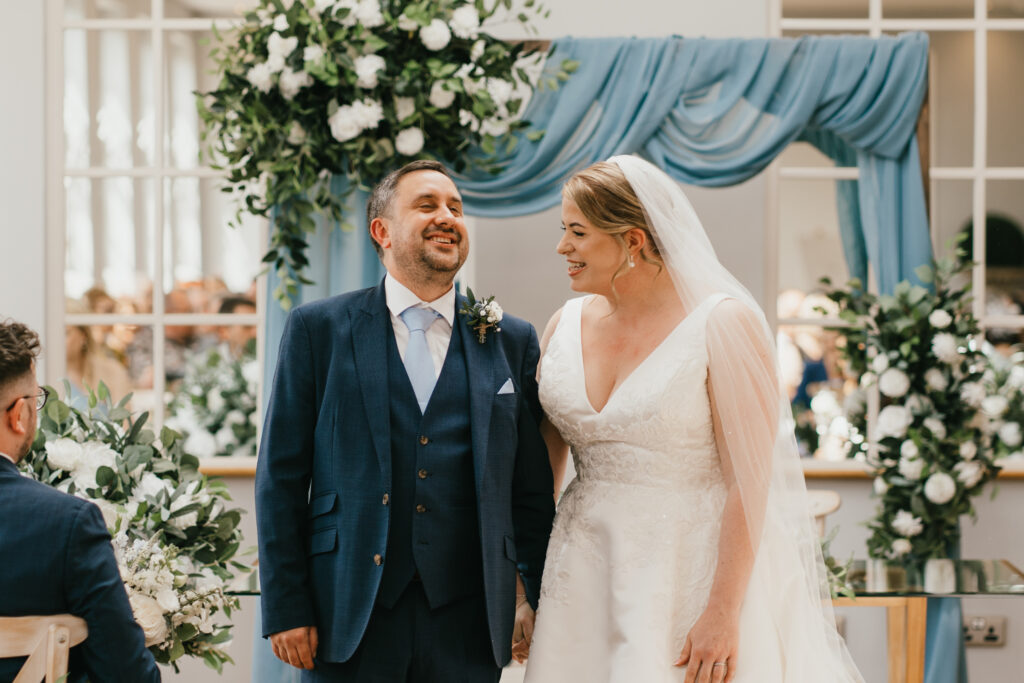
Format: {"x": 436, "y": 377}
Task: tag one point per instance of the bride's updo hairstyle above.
{"x": 606, "y": 199}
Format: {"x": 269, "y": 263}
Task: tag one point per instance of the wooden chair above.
{"x": 822, "y": 503}
{"x": 45, "y": 641}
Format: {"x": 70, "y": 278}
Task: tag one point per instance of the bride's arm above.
{"x": 744, "y": 395}
{"x": 558, "y": 450}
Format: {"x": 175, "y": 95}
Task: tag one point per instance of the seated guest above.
{"x": 55, "y": 549}
{"x": 241, "y": 339}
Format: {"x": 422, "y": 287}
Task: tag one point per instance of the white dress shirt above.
{"x": 438, "y": 335}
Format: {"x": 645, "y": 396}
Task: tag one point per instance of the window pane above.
{"x": 1006, "y": 98}
{"x": 106, "y": 9}
{"x": 1004, "y": 254}
{"x": 118, "y": 355}
{"x": 213, "y": 399}
{"x": 110, "y": 237}
{"x": 809, "y": 244}
{"x": 927, "y": 9}
{"x": 820, "y": 391}
{"x": 188, "y": 69}
{"x": 825, "y": 9}
{"x": 951, "y": 97}
{"x": 108, "y": 95}
{"x": 804, "y": 154}
{"x": 200, "y": 245}
{"x": 1005, "y": 9}
{"x": 951, "y": 206}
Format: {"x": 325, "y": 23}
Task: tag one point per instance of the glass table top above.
{"x": 944, "y": 578}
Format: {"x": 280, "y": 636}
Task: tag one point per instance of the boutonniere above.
{"x": 481, "y": 314}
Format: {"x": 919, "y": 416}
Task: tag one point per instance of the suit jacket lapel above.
{"x": 480, "y": 368}
{"x": 369, "y": 342}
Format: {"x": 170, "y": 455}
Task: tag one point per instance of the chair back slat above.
{"x": 45, "y": 640}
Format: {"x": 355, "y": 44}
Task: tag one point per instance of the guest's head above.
{"x": 178, "y": 301}
{"x": 416, "y": 223}
{"x": 238, "y": 337}
{"x": 604, "y": 230}
{"x": 19, "y": 391}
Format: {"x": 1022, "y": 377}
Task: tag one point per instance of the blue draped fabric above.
{"x": 711, "y": 112}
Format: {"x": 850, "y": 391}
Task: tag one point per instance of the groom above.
{"x": 403, "y": 491}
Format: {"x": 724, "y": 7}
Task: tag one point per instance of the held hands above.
{"x": 296, "y": 646}
{"x": 522, "y": 632}
{"x": 709, "y": 653}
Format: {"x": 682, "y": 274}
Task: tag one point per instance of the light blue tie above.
{"x": 418, "y": 361}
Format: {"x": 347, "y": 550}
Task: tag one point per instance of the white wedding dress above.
{"x": 633, "y": 551}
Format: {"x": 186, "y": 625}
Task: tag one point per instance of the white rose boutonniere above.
{"x": 481, "y": 314}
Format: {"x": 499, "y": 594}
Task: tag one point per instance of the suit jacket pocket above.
{"x": 322, "y": 503}
{"x": 323, "y": 541}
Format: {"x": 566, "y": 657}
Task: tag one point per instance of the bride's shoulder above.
{"x": 556, "y": 318}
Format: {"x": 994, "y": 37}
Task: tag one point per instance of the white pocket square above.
{"x": 507, "y": 387}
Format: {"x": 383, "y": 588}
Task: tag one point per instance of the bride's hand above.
{"x": 712, "y": 641}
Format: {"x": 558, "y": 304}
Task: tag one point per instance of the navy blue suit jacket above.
{"x": 327, "y": 431}
{"x": 56, "y": 558}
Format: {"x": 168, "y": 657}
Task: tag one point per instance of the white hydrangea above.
{"x": 215, "y": 400}
{"x": 906, "y": 524}
{"x": 936, "y": 379}
{"x": 63, "y": 454}
{"x": 477, "y": 51}
{"x": 404, "y": 107}
{"x": 291, "y": 82}
{"x": 441, "y": 97}
{"x": 911, "y": 468}
{"x": 368, "y": 13}
{"x": 321, "y": 6}
{"x": 908, "y": 449}
{"x": 972, "y": 393}
{"x": 409, "y": 141}
{"x": 406, "y": 24}
{"x": 893, "y": 421}
{"x": 367, "y": 67}
{"x": 436, "y": 35}
{"x": 1016, "y": 377}
{"x": 936, "y": 427}
{"x": 969, "y": 472}
{"x": 940, "y": 319}
{"x": 867, "y": 379}
{"x": 312, "y": 53}
{"x": 901, "y": 547}
{"x": 261, "y": 77}
{"x": 151, "y": 485}
{"x": 894, "y": 383}
{"x": 1010, "y": 434}
{"x": 468, "y": 120}
{"x": 968, "y": 450}
{"x": 939, "y": 488}
{"x": 500, "y": 90}
{"x": 945, "y": 348}
{"x": 296, "y": 134}
{"x": 201, "y": 444}
{"x": 465, "y": 22}
{"x": 995, "y": 406}
{"x": 279, "y": 48}
{"x": 918, "y": 404}
{"x": 495, "y": 127}
{"x": 880, "y": 363}
{"x": 368, "y": 113}
{"x": 880, "y": 486}
{"x": 281, "y": 22}
{"x": 352, "y": 119}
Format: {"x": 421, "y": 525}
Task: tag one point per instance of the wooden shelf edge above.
{"x": 242, "y": 466}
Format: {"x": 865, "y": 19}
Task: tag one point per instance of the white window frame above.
{"x": 56, "y": 171}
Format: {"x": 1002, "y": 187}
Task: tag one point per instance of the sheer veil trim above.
{"x": 756, "y": 442}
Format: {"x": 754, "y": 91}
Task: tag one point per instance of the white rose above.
{"x": 995, "y": 406}
{"x": 406, "y": 24}
{"x": 911, "y": 468}
{"x": 251, "y": 368}
{"x": 906, "y": 524}
{"x": 880, "y": 486}
{"x": 404, "y": 108}
{"x": 343, "y": 124}
{"x": 893, "y": 421}
{"x": 366, "y": 68}
{"x": 261, "y": 77}
{"x": 208, "y": 581}
{"x": 313, "y": 53}
{"x": 435, "y": 36}
{"x": 225, "y": 437}
{"x": 901, "y": 547}
{"x": 235, "y": 417}
{"x": 867, "y": 379}
{"x": 467, "y": 119}
{"x": 63, "y": 454}
{"x": 945, "y": 348}
{"x": 1016, "y": 378}
{"x": 968, "y": 449}
{"x": 500, "y": 90}
{"x": 368, "y": 13}
{"x": 110, "y": 511}
{"x": 296, "y": 136}
{"x": 880, "y": 363}
{"x": 894, "y": 383}
{"x": 151, "y": 485}
{"x": 320, "y": 6}
{"x": 939, "y": 488}
{"x": 279, "y": 46}
{"x": 189, "y": 519}
{"x": 935, "y": 379}
{"x": 215, "y": 400}
{"x": 969, "y": 473}
{"x": 291, "y": 82}
{"x": 1010, "y": 434}
{"x": 368, "y": 113}
{"x": 908, "y": 449}
{"x": 439, "y": 96}
{"x": 281, "y": 22}
{"x": 935, "y": 426}
{"x": 150, "y": 617}
{"x": 918, "y": 404}
{"x": 940, "y": 319}
{"x": 477, "y": 51}
{"x": 495, "y": 127}
{"x": 201, "y": 444}
{"x": 972, "y": 393}
{"x": 409, "y": 141}
{"x": 465, "y": 22}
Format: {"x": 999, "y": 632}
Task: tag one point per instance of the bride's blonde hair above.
{"x": 605, "y": 197}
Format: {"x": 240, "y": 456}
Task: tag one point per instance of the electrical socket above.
{"x": 984, "y": 631}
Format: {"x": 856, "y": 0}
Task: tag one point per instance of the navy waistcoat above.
{"x": 433, "y": 530}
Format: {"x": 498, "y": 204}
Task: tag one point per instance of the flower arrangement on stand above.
{"x": 311, "y": 89}
{"x": 933, "y": 456}
{"x": 174, "y": 537}
{"x": 215, "y": 407}
{"x": 1003, "y": 408}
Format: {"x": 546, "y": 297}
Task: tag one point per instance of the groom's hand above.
{"x": 522, "y": 632}
{"x": 296, "y": 646}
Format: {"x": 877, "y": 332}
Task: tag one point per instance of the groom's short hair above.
{"x": 384, "y": 192}
{"x": 19, "y": 347}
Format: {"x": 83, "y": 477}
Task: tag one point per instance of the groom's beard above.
{"x": 425, "y": 264}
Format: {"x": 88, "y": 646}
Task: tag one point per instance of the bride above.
{"x": 683, "y": 550}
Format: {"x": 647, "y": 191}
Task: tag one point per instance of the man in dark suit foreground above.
{"x": 55, "y": 552}
{"x": 403, "y": 491}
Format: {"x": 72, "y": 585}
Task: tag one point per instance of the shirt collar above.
{"x": 400, "y": 297}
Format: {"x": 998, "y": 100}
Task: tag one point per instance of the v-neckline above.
{"x": 625, "y": 380}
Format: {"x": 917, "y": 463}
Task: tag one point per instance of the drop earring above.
{"x": 632, "y": 263}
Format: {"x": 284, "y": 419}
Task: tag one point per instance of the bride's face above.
{"x": 592, "y": 255}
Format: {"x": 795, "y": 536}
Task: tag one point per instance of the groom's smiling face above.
{"x": 424, "y": 232}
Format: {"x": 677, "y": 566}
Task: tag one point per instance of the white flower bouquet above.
{"x": 1002, "y": 408}
{"x": 918, "y": 346}
{"x": 173, "y": 534}
{"x": 354, "y": 88}
{"x": 215, "y": 407}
